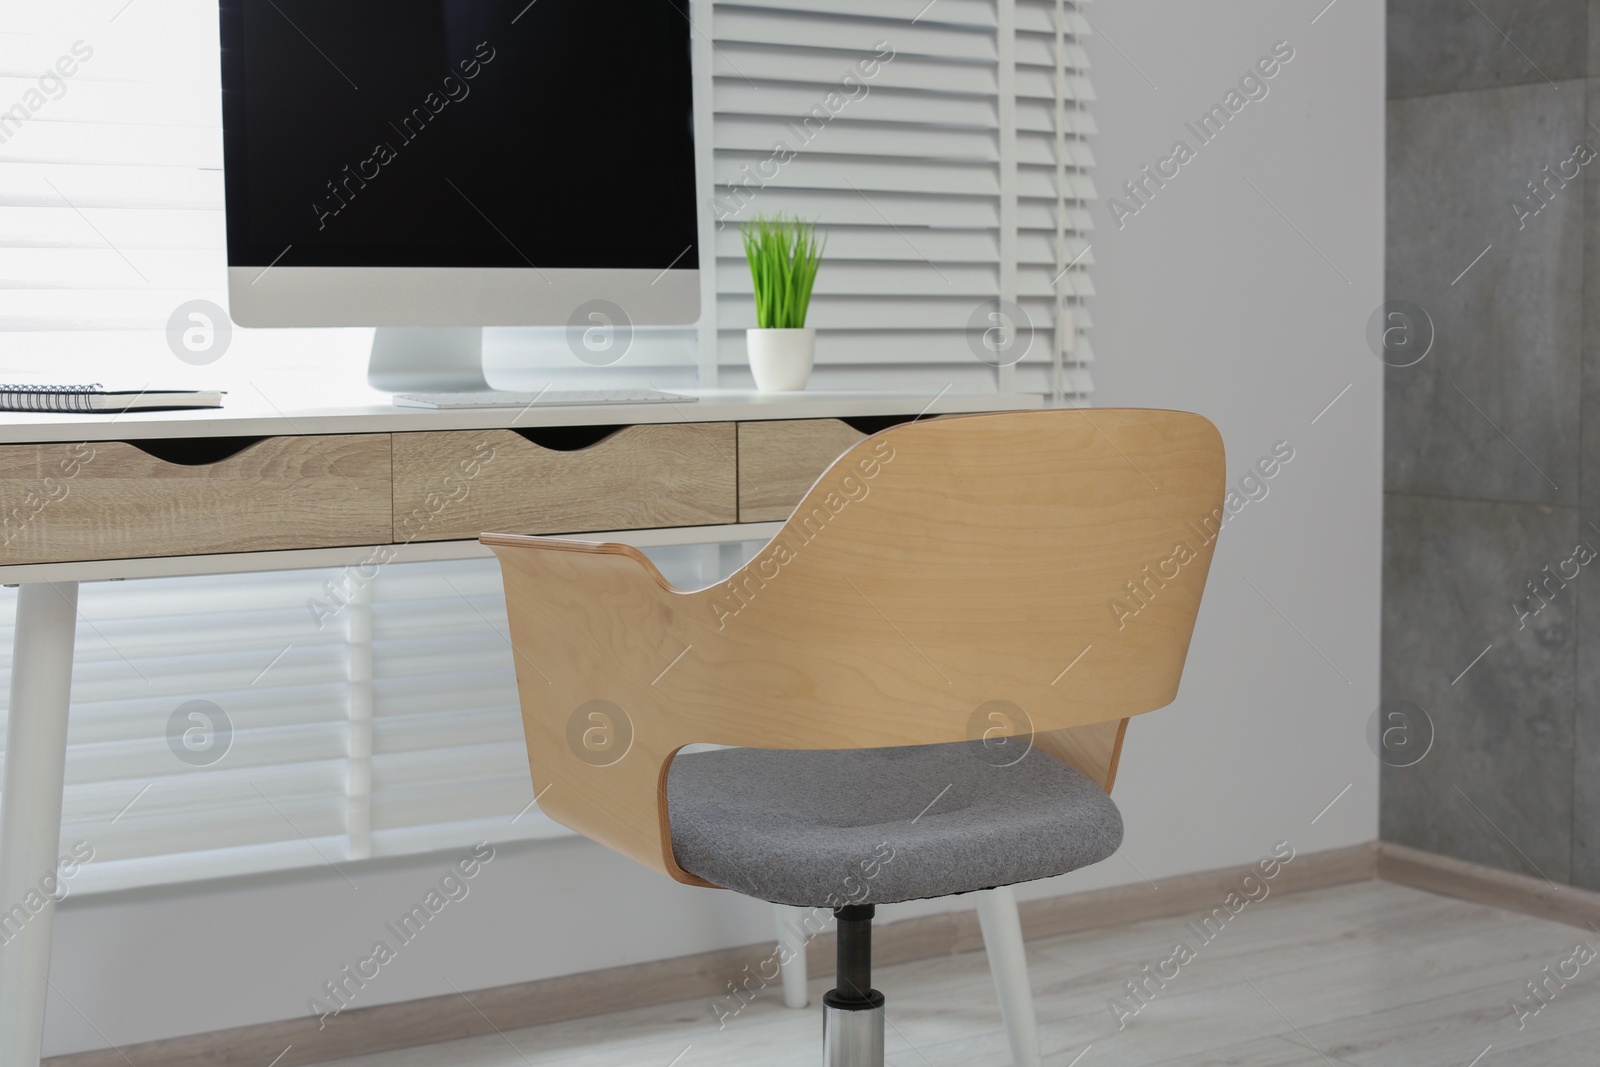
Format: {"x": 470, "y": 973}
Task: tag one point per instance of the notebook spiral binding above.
{"x": 47, "y": 398}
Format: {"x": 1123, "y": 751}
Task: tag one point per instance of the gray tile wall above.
{"x": 1491, "y": 471}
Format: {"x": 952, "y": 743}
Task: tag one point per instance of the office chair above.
{"x": 925, "y": 676}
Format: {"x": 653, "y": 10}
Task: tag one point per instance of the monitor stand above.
{"x": 431, "y": 359}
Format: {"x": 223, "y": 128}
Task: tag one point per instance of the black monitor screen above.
{"x": 459, "y": 133}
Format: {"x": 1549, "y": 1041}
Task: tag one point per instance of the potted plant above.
{"x": 784, "y": 255}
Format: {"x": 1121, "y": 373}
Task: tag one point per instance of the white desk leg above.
{"x": 30, "y": 814}
{"x": 1008, "y": 962}
{"x": 792, "y": 939}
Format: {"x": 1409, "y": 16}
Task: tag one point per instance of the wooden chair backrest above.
{"x": 1029, "y": 574}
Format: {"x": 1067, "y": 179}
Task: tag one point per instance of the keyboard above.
{"x": 495, "y": 398}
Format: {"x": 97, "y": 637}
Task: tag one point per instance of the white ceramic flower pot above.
{"x": 781, "y": 359}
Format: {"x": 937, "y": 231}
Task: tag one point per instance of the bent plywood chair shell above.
{"x": 934, "y": 585}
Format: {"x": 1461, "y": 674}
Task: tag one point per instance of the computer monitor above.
{"x": 445, "y": 165}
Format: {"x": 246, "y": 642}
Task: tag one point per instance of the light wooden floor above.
{"x": 1368, "y": 974}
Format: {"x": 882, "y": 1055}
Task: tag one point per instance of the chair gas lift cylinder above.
{"x": 852, "y": 1012}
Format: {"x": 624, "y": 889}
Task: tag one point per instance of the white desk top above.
{"x": 256, "y": 415}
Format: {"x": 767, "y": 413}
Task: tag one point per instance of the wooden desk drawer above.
{"x": 779, "y": 461}
{"x": 454, "y": 484}
{"x": 118, "y": 500}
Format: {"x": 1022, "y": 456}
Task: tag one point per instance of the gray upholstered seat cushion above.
{"x": 875, "y": 826}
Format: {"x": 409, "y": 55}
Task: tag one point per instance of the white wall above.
{"x": 1208, "y": 300}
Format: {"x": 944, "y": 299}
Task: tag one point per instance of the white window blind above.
{"x": 942, "y": 148}
{"x": 954, "y": 174}
{"x": 110, "y": 178}
{"x": 391, "y": 729}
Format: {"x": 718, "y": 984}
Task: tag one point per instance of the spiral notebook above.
{"x": 95, "y": 398}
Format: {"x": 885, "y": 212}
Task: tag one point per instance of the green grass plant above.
{"x": 784, "y": 254}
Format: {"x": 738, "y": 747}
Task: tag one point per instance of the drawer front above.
{"x": 779, "y": 461}
{"x": 115, "y": 500}
{"x": 458, "y": 484}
